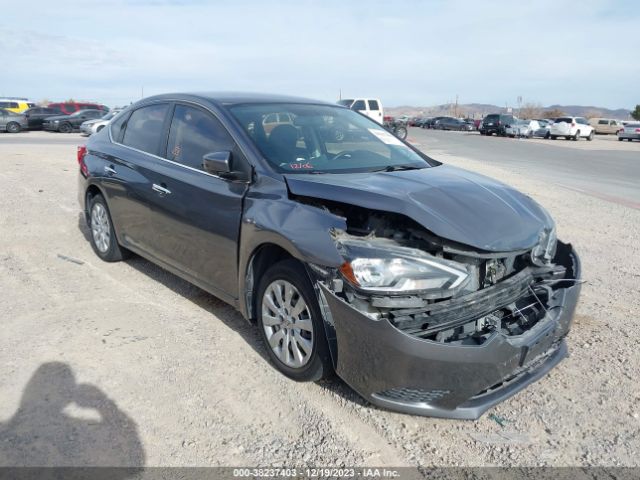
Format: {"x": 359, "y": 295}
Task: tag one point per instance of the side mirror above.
{"x": 217, "y": 162}
{"x": 221, "y": 164}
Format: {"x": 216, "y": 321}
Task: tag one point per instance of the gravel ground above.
{"x": 125, "y": 364}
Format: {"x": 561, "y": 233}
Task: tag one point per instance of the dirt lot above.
{"x": 125, "y": 364}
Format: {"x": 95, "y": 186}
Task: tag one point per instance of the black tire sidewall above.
{"x": 65, "y": 128}
{"x": 319, "y": 366}
{"x": 13, "y": 127}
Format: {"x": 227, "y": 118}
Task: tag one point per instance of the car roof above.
{"x": 236, "y": 98}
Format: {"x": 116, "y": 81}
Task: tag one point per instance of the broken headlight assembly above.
{"x": 384, "y": 268}
{"x": 545, "y": 250}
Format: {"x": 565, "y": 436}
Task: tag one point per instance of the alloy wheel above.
{"x": 287, "y": 323}
{"x": 100, "y": 229}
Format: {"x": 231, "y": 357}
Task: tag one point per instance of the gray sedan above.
{"x": 12, "y": 122}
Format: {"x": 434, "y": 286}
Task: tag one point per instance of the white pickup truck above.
{"x": 571, "y": 128}
{"x": 371, "y": 107}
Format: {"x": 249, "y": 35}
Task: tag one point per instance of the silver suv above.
{"x": 12, "y": 122}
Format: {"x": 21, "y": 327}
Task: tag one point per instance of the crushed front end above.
{"x": 424, "y": 326}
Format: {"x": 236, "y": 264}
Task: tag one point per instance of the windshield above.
{"x": 346, "y": 103}
{"x": 302, "y": 138}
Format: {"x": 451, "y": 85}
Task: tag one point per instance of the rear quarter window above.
{"x": 143, "y": 129}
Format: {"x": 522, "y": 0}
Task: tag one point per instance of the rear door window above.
{"x": 193, "y": 134}
{"x": 373, "y": 105}
{"x": 143, "y": 129}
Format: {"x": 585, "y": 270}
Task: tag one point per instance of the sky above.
{"x": 418, "y": 53}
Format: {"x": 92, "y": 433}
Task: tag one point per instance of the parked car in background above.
{"x": 522, "y": 128}
{"x": 421, "y": 122}
{"x": 68, "y": 108}
{"x": 571, "y": 128}
{"x": 414, "y": 121}
{"x": 90, "y": 127}
{"x": 428, "y": 289}
{"x": 630, "y": 132}
{"x": 543, "y": 128}
{"x": 69, "y": 123}
{"x": 12, "y": 122}
{"x": 496, "y": 123}
{"x": 371, "y": 107}
{"x": 16, "y": 105}
{"x": 449, "y": 123}
{"x": 431, "y": 123}
{"x": 606, "y": 126}
{"x": 37, "y": 115}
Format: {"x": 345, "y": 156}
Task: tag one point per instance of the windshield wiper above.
{"x": 395, "y": 168}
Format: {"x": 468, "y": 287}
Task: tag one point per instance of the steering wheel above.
{"x": 344, "y": 153}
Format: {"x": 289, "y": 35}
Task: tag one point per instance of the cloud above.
{"x": 404, "y": 52}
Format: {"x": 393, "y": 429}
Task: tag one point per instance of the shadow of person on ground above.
{"x": 63, "y": 423}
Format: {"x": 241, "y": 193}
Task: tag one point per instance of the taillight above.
{"x": 573, "y": 124}
{"x": 637, "y": 129}
{"x": 82, "y": 151}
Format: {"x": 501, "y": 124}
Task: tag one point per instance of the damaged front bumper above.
{"x": 400, "y": 371}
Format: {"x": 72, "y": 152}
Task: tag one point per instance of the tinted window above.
{"x": 581, "y": 120}
{"x": 358, "y": 105}
{"x": 117, "y": 126}
{"x": 603, "y": 122}
{"x": 373, "y": 105}
{"x": 564, "y": 119}
{"x": 491, "y": 118}
{"x": 195, "y": 133}
{"x": 144, "y": 128}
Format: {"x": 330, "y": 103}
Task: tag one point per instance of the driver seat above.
{"x": 283, "y": 141}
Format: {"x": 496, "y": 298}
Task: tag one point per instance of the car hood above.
{"x": 452, "y": 203}
{"x": 90, "y": 122}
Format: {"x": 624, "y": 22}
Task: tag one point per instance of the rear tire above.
{"x": 620, "y": 139}
{"x": 277, "y": 313}
{"x": 576, "y": 137}
{"x": 102, "y": 234}
{"x": 13, "y": 127}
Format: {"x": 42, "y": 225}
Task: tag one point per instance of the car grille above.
{"x": 412, "y": 395}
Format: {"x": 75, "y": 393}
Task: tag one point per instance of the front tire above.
{"x": 65, "y": 128}
{"x": 13, "y": 127}
{"x": 291, "y": 324}
{"x": 401, "y": 133}
{"x": 590, "y": 137}
{"x": 102, "y": 234}
{"x": 576, "y": 137}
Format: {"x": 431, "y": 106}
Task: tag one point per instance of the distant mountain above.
{"x": 478, "y": 110}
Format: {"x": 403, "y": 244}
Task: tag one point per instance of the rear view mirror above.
{"x": 217, "y": 162}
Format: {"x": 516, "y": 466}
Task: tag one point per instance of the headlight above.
{"x": 544, "y": 252}
{"x": 387, "y": 268}
{"x": 56, "y": 121}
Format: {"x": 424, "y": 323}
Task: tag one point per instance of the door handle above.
{"x": 160, "y": 189}
{"x": 110, "y": 170}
